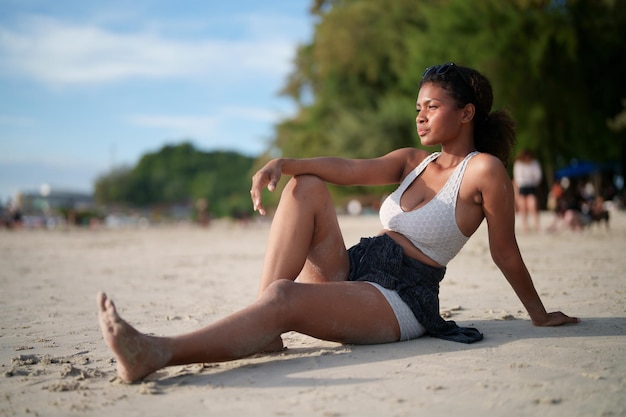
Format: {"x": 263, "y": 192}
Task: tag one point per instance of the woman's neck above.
{"x": 453, "y": 157}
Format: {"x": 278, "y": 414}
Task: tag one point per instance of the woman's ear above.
{"x": 469, "y": 111}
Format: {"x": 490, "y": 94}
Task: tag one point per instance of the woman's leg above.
{"x": 348, "y": 312}
{"x": 305, "y": 241}
{"x": 523, "y": 211}
{"x": 533, "y": 210}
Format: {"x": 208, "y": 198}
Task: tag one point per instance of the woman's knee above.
{"x": 304, "y": 186}
{"x": 279, "y": 295}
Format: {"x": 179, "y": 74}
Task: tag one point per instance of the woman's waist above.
{"x": 409, "y": 248}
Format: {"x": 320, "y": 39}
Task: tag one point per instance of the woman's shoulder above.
{"x": 486, "y": 176}
{"x": 484, "y": 160}
{"x": 413, "y": 153}
{"x": 484, "y": 165}
{"x": 410, "y": 157}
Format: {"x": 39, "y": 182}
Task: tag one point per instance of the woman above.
{"x": 526, "y": 177}
{"x": 385, "y": 288}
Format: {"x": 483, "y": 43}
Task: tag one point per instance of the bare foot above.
{"x": 137, "y": 354}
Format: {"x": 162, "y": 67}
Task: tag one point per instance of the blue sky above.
{"x": 88, "y": 85}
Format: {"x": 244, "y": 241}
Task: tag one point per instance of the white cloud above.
{"x": 205, "y": 126}
{"x": 190, "y": 126}
{"x": 58, "y": 53}
{"x": 218, "y": 131}
{"x": 250, "y": 113}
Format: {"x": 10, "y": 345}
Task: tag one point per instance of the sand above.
{"x": 167, "y": 280}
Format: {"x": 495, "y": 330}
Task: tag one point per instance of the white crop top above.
{"x": 432, "y": 228}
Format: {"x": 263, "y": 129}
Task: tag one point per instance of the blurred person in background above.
{"x": 527, "y": 177}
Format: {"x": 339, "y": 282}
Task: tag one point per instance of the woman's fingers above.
{"x": 557, "y": 318}
{"x": 263, "y": 178}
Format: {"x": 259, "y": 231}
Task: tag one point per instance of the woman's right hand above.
{"x": 268, "y": 176}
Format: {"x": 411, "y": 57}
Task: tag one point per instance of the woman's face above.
{"x": 438, "y": 119}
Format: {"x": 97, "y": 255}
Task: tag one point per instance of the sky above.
{"x": 87, "y": 86}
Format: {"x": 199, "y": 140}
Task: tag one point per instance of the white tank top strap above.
{"x": 408, "y": 180}
{"x": 457, "y": 176}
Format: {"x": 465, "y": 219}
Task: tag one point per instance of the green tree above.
{"x": 113, "y": 186}
{"x": 181, "y": 174}
{"x": 557, "y": 65}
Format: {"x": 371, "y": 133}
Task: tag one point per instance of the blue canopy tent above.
{"x": 578, "y": 169}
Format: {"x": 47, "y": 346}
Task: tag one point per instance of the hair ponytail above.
{"x": 495, "y": 134}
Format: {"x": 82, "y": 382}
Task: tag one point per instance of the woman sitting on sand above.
{"x": 384, "y": 289}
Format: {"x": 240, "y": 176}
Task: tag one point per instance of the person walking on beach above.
{"x": 385, "y": 288}
{"x": 526, "y": 177}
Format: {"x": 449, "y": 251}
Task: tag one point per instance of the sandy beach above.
{"x": 168, "y": 280}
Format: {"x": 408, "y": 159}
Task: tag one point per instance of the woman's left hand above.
{"x": 556, "y": 319}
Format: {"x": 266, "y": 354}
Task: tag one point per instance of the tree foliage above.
{"x": 556, "y": 65}
{"x": 181, "y": 174}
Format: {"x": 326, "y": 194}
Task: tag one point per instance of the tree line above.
{"x": 557, "y": 65}
{"x": 182, "y": 175}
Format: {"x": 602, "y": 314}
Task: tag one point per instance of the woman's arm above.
{"x": 499, "y": 209}
{"x": 387, "y": 169}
